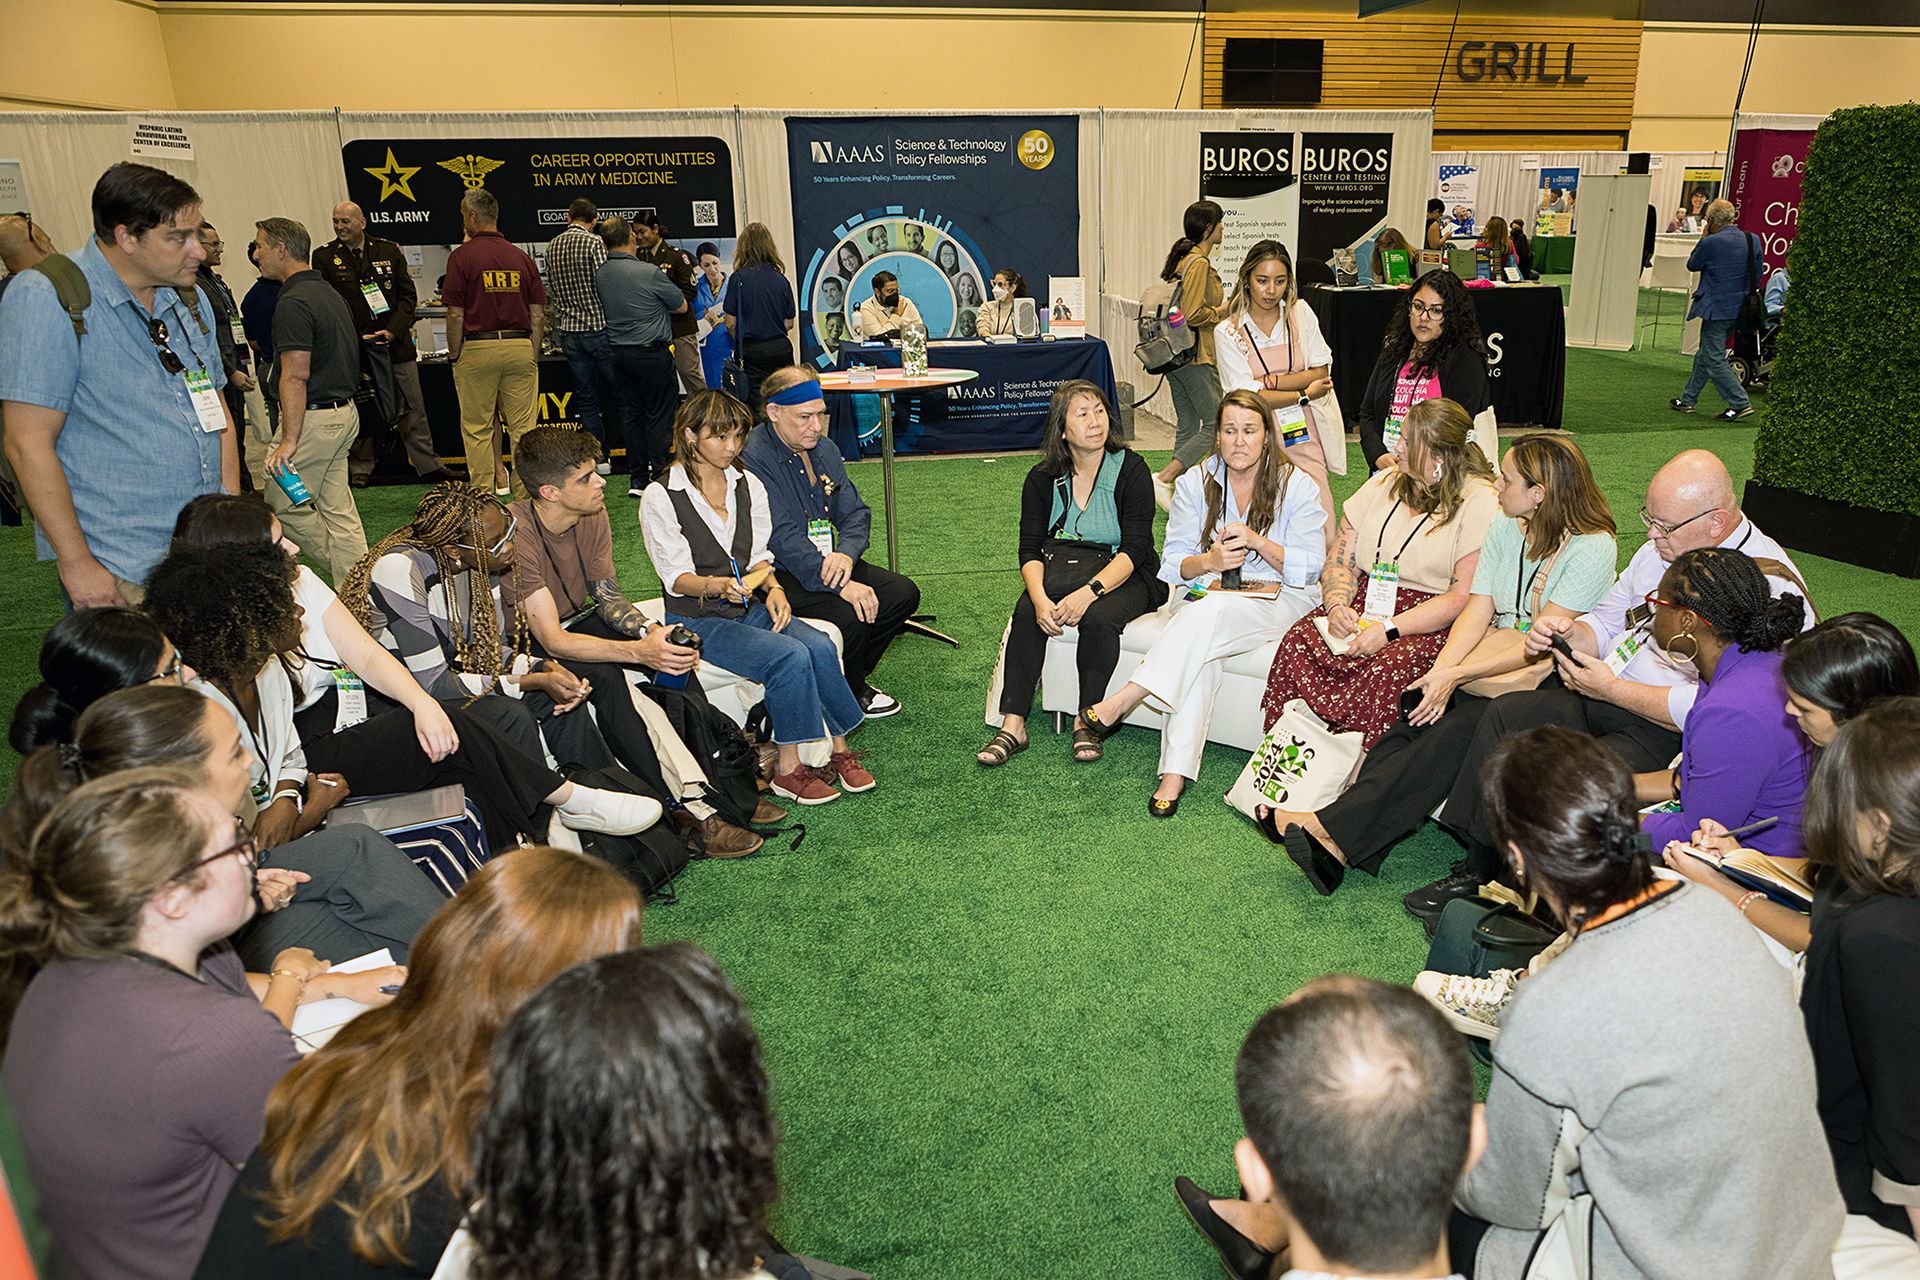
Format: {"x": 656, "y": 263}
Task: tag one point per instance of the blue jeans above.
{"x": 807, "y": 694}
{"x": 590, "y": 357}
{"x": 1710, "y": 361}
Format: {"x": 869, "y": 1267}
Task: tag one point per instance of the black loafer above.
{"x": 1099, "y": 728}
{"x": 1242, "y": 1258}
{"x": 1158, "y": 808}
{"x": 1322, "y": 870}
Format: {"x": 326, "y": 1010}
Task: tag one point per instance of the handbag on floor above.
{"x": 1300, "y": 765}
{"x": 438, "y": 831}
{"x": 651, "y": 858}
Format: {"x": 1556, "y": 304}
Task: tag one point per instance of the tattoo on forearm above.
{"x": 616, "y": 610}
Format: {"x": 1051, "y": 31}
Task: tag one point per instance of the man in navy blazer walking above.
{"x": 1729, "y": 262}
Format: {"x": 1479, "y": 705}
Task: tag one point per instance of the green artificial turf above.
{"x": 1000, "y": 1008}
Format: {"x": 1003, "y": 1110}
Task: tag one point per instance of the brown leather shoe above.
{"x": 719, "y": 838}
{"x": 767, "y": 813}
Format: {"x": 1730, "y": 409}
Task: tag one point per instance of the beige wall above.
{"x": 88, "y": 54}
{"x": 581, "y": 57}
{"x": 1690, "y": 72}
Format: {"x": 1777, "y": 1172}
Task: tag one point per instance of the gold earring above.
{"x": 1692, "y": 656}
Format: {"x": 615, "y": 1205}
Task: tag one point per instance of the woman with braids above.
{"x": 706, "y": 523}
{"x": 1247, "y": 510}
{"x": 1432, "y": 350}
{"x": 629, "y": 1132}
{"x": 366, "y": 1166}
{"x": 338, "y": 673}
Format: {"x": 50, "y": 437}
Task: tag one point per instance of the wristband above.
{"x": 288, "y": 973}
{"x": 293, "y": 794}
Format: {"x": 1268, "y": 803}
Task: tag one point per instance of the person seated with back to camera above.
{"x": 366, "y": 1165}
{"x": 1246, "y": 511}
{"x": 1360, "y": 1122}
{"x": 822, "y": 529}
{"x": 886, "y": 314}
{"x": 564, "y": 576}
{"x": 707, "y": 524}
{"x": 1086, "y": 522}
{"x": 1549, "y": 553}
{"x": 996, "y": 314}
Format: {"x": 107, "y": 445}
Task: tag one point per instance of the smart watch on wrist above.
{"x": 1096, "y": 586}
{"x": 1392, "y": 633}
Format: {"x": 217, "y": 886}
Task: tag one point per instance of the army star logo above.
{"x": 394, "y": 176}
{"x": 472, "y": 170}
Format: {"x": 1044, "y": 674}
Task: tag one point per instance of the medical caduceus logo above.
{"x": 471, "y": 170}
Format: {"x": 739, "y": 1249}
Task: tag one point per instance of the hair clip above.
{"x": 70, "y": 758}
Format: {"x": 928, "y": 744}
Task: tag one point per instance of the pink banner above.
{"x": 1764, "y": 181}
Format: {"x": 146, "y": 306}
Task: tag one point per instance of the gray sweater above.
{"x": 1670, "y": 1036}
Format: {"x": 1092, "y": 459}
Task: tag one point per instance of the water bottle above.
{"x": 294, "y": 487}
{"x": 913, "y": 351}
{"x": 1174, "y": 319}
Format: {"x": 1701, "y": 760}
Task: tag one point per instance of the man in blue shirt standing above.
{"x": 640, "y": 301}
{"x": 821, "y": 528}
{"x": 1729, "y": 262}
{"x": 114, "y": 418}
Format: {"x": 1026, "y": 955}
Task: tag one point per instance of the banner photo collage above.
{"x": 1317, "y": 193}
{"x": 941, "y": 202}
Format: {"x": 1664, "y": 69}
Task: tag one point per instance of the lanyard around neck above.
{"x": 1379, "y": 541}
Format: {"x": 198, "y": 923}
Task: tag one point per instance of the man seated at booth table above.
{"x": 563, "y": 573}
{"x": 1360, "y": 1122}
{"x": 821, "y": 528}
{"x": 886, "y": 314}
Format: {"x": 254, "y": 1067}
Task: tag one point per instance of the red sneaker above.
{"x": 853, "y": 775}
{"x": 806, "y": 785}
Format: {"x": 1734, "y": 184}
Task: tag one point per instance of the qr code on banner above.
{"x": 706, "y": 213}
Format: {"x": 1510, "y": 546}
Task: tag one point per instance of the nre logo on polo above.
{"x": 500, "y": 281}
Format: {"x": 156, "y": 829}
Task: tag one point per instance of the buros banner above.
{"x": 940, "y": 201}
{"x": 1316, "y": 193}
{"x": 410, "y": 188}
{"x": 1768, "y": 170}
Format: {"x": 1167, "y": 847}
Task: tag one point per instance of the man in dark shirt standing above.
{"x": 650, "y": 241}
{"x": 580, "y": 326}
{"x": 496, "y": 312}
{"x": 228, "y": 330}
{"x": 371, "y": 277}
{"x": 317, "y": 354}
{"x": 640, "y": 302}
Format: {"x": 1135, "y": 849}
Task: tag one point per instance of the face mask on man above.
{"x": 1001, "y": 293}
{"x": 891, "y": 301}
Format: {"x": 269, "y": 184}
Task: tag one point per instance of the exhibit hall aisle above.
{"x": 1000, "y": 1008}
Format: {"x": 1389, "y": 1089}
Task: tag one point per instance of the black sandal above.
{"x": 1003, "y": 746}
{"x": 1241, "y": 1257}
{"x": 1322, "y": 870}
{"x": 1088, "y": 741}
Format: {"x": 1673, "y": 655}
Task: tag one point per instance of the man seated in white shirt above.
{"x": 1617, "y": 686}
{"x": 886, "y": 314}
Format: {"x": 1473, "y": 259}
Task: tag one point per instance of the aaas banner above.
{"x": 410, "y": 188}
{"x": 940, "y": 201}
{"x": 1255, "y": 179}
{"x": 1769, "y": 168}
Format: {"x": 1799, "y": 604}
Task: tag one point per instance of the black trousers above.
{"x": 1097, "y": 654}
{"x": 761, "y": 357}
{"x": 1639, "y": 742}
{"x": 649, "y": 392}
{"x": 1406, "y": 775}
{"x": 864, "y": 643}
{"x": 507, "y": 785}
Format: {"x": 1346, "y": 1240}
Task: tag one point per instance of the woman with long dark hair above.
{"x": 1433, "y": 350}
{"x": 629, "y": 1132}
{"x": 85, "y": 656}
{"x": 996, "y": 314}
{"x": 366, "y": 1165}
{"x": 1087, "y": 560}
{"x": 1195, "y": 386}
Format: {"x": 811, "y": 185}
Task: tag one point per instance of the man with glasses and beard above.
{"x": 110, "y": 388}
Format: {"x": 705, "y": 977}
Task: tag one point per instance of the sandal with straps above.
{"x": 1002, "y": 747}
{"x": 1087, "y": 746}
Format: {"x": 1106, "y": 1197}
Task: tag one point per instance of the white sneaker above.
{"x": 603, "y": 468}
{"x": 879, "y": 704}
{"x": 1472, "y": 1005}
{"x": 617, "y": 813}
{"x": 1162, "y": 493}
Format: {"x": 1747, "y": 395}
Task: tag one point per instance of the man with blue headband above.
{"x": 821, "y": 529}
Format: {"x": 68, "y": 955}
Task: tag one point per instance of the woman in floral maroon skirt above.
{"x": 1399, "y": 575}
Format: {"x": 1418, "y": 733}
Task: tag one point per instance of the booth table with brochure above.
{"x": 1525, "y": 326}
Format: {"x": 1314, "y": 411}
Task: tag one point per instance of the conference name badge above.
{"x": 1392, "y": 434}
{"x": 376, "y": 300}
{"x": 352, "y": 696}
{"x": 1623, "y": 652}
{"x": 239, "y": 332}
{"x": 1291, "y": 422}
{"x": 820, "y": 534}
{"x": 1383, "y": 589}
{"x": 206, "y": 401}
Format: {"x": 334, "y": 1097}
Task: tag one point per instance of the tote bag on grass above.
{"x": 1300, "y": 765}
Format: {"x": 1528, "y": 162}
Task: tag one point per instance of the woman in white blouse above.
{"x": 1247, "y": 512}
{"x": 706, "y": 523}
{"x": 1270, "y": 344}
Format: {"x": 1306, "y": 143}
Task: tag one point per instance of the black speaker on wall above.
{"x": 1639, "y": 162}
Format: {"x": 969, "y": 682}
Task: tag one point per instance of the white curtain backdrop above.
{"x": 1507, "y": 190}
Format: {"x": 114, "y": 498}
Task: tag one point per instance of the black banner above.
{"x": 1343, "y": 190}
{"x": 410, "y": 188}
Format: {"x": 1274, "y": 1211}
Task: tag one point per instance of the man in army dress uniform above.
{"x": 371, "y": 275}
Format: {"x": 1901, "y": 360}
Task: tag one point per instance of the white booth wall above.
{"x": 1507, "y": 189}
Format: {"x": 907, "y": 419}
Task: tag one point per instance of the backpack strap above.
{"x": 70, "y": 288}
{"x": 190, "y": 297}
{"x": 1771, "y": 568}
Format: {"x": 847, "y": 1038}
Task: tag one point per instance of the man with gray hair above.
{"x": 496, "y": 309}
{"x": 317, "y": 369}
{"x": 1730, "y": 266}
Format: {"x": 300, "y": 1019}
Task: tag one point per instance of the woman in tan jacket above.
{"x": 1196, "y": 386}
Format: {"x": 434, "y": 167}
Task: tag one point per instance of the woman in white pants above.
{"x": 1247, "y": 511}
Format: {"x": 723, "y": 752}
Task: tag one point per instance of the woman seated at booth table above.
{"x": 1399, "y": 575}
{"x": 1432, "y": 350}
{"x": 1087, "y": 559}
{"x": 1390, "y": 239}
{"x": 996, "y": 314}
{"x": 1245, "y": 510}
{"x": 1549, "y": 553}
{"x": 1501, "y": 252}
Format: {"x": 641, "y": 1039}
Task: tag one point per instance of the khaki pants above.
{"x": 686, "y": 358}
{"x": 329, "y": 529}
{"x": 256, "y": 439}
{"x": 502, "y": 369}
